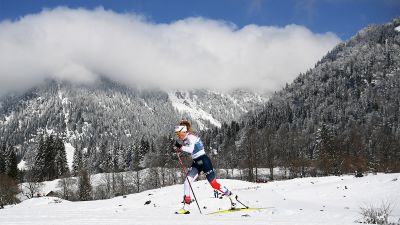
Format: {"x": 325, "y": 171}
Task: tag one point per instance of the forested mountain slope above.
{"x": 106, "y": 115}
{"x": 342, "y": 115}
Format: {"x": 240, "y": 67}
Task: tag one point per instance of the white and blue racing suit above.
{"x": 201, "y": 163}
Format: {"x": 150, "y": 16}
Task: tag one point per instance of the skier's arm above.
{"x": 190, "y": 146}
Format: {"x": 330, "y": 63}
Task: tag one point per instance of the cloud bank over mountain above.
{"x": 80, "y": 45}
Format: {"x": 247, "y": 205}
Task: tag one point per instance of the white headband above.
{"x": 180, "y": 129}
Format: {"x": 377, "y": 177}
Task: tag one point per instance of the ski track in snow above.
{"x": 323, "y": 200}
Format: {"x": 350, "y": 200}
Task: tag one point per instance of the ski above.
{"x": 234, "y": 210}
{"x": 182, "y": 211}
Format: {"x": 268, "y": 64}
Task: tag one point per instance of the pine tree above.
{"x": 330, "y": 154}
{"x": 131, "y": 157}
{"x": 92, "y": 167}
{"x": 39, "y": 162}
{"x": 124, "y": 158}
{"x": 2, "y": 158}
{"x": 12, "y": 165}
{"x": 84, "y": 186}
{"x": 104, "y": 161}
{"x": 77, "y": 163}
{"x": 61, "y": 158}
{"x": 141, "y": 152}
{"x": 50, "y": 154}
{"x": 116, "y": 154}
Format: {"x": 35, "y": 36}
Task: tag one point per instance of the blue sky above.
{"x": 342, "y": 17}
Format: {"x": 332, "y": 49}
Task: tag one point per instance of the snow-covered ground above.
{"x": 323, "y": 200}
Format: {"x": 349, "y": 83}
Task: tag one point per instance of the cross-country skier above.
{"x": 201, "y": 163}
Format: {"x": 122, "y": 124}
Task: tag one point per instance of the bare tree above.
{"x": 67, "y": 187}
{"x": 32, "y": 189}
{"x": 249, "y": 148}
{"x": 106, "y": 188}
{"x": 268, "y": 150}
{"x": 121, "y": 184}
{"x": 137, "y": 180}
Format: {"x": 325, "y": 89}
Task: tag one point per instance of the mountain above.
{"x": 343, "y": 115}
{"x": 215, "y": 107}
{"x": 356, "y": 80}
{"x": 110, "y": 114}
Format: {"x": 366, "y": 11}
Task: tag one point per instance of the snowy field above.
{"x": 323, "y": 200}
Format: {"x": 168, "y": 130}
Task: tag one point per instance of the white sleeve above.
{"x": 190, "y": 145}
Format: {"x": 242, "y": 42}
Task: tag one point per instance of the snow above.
{"x": 187, "y": 106}
{"x": 69, "y": 149}
{"x": 49, "y": 131}
{"x": 8, "y": 118}
{"x": 60, "y": 96}
{"x": 322, "y": 200}
{"x": 397, "y": 28}
{"x": 22, "y": 165}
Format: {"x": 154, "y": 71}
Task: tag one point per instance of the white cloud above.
{"x": 80, "y": 44}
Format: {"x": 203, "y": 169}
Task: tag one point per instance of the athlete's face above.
{"x": 181, "y": 135}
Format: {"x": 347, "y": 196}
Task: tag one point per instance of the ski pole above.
{"x": 190, "y": 185}
{"x": 241, "y": 202}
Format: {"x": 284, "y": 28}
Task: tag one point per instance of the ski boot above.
{"x": 233, "y": 199}
{"x": 186, "y": 204}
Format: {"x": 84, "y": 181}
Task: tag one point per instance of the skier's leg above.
{"x": 191, "y": 177}
{"x": 225, "y": 191}
{"x": 219, "y": 187}
{"x": 211, "y": 177}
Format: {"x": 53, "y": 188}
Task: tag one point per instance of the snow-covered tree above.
{"x": 61, "y": 158}
{"x": 84, "y": 186}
